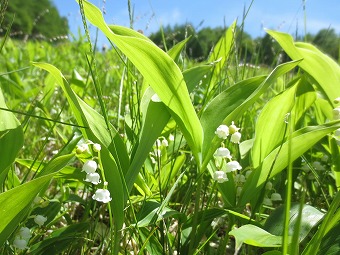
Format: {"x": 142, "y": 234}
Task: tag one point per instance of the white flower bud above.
{"x": 102, "y": 195}
{"x": 317, "y": 165}
{"x": 236, "y": 137}
{"x": 232, "y": 128}
{"x": 337, "y": 132}
{"x": 276, "y": 197}
{"x": 97, "y": 147}
{"x": 93, "y": 178}
{"x": 267, "y": 201}
{"x": 336, "y": 113}
{"x": 220, "y": 176}
{"x": 83, "y": 148}
{"x": 222, "y": 152}
{"x": 40, "y": 220}
{"x": 240, "y": 178}
{"x": 233, "y": 166}
{"x": 222, "y": 131}
{"x": 24, "y": 233}
{"x": 269, "y": 186}
{"x": 90, "y": 166}
{"x": 20, "y": 244}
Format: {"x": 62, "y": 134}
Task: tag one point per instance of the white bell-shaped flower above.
{"x": 276, "y": 197}
{"x": 233, "y": 166}
{"x": 102, "y": 195}
{"x": 90, "y": 166}
{"x": 236, "y": 137}
{"x": 93, "y": 178}
{"x": 97, "y": 147}
{"x": 222, "y": 131}
{"x": 232, "y": 128}
{"x": 220, "y": 176}
{"x": 336, "y": 113}
{"x": 24, "y": 233}
{"x": 222, "y": 152}
{"x": 20, "y": 244}
{"x": 40, "y": 220}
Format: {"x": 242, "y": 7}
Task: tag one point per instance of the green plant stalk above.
{"x": 289, "y": 186}
{"x": 195, "y": 217}
{"x": 331, "y": 218}
{"x": 112, "y": 244}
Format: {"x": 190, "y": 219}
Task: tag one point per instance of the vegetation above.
{"x": 143, "y": 151}
{"x": 31, "y": 19}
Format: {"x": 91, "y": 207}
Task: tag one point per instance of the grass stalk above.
{"x": 289, "y": 186}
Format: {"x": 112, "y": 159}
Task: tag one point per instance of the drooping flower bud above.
{"x": 90, "y": 166}
{"x": 102, "y": 195}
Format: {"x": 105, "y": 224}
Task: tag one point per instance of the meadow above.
{"x": 134, "y": 150}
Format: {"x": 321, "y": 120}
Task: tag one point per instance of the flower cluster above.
{"x": 274, "y": 196}
{"x": 223, "y": 155}
{"x": 22, "y": 238}
{"x": 160, "y": 148}
{"x": 24, "y": 234}
{"x": 90, "y": 168}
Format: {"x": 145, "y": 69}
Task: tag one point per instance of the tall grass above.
{"x": 129, "y": 151}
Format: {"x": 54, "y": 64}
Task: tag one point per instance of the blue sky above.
{"x": 149, "y": 15}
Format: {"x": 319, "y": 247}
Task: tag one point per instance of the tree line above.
{"x": 32, "y": 19}
{"x": 261, "y": 50}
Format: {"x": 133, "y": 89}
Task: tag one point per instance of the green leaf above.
{"x": 56, "y": 164}
{"x": 270, "y": 126}
{"x": 331, "y": 219}
{"x": 16, "y": 203}
{"x": 232, "y": 103}
{"x": 11, "y": 137}
{"x": 60, "y": 239}
{"x": 155, "y": 117}
{"x": 161, "y": 72}
{"x": 317, "y": 64}
{"x": 302, "y": 140}
{"x": 95, "y": 129}
{"x": 330, "y": 242}
{"x": 255, "y": 236}
{"x": 309, "y": 219}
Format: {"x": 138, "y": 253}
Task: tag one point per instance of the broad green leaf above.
{"x": 95, "y": 129}
{"x": 331, "y": 219}
{"x": 124, "y": 31}
{"x": 155, "y": 117}
{"x": 150, "y": 241}
{"x": 16, "y": 203}
{"x": 60, "y": 239}
{"x": 152, "y": 212}
{"x": 317, "y": 64}
{"x": 11, "y": 137}
{"x": 175, "y": 51}
{"x": 302, "y": 140}
{"x": 170, "y": 170}
{"x": 270, "y": 125}
{"x": 221, "y": 53}
{"x": 330, "y": 242}
{"x": 255, "y": 236}
{"x": 204, "y": 219}
{"x": 161, "y": 72}
{"x": 232, "y": 103}
{"x": 56, "y": 164}
{"x": 310, "y": 218}
{"x": 194, "y": 75}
